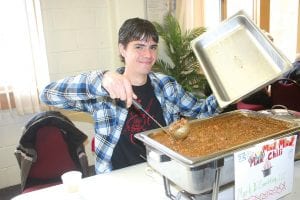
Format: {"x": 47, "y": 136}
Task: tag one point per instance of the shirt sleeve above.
{"x": 75, "y": 92}
{"x": 182, "y": 103}
{"x": 197, "y": 108}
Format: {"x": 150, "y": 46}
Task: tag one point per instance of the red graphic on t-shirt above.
{"x": 138, "y": 121}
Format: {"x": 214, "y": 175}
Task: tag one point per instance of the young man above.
{"x": 108, "y": 97}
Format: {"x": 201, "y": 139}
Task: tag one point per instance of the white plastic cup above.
{"x": 71, "y": 181}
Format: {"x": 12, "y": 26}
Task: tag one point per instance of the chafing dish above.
{"x": 196, "y": 175}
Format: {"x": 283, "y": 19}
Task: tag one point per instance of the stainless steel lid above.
{"x": 238, "y": 59}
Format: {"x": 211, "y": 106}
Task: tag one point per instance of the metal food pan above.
{"x": 196, "y": 175}
{"x": 238, "y": 59}
{"x": 196, "y": 161}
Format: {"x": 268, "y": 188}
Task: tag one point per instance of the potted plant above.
{"x": 179, "y": 60}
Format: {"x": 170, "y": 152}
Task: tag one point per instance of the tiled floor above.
{"x": 12, "y": 191}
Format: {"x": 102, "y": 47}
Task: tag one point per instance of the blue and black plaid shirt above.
{"x": 85, "y": 93}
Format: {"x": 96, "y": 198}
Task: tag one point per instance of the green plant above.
{"x": 180, "y": 61}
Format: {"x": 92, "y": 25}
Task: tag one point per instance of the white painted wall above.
{"x": 81, "y": 35}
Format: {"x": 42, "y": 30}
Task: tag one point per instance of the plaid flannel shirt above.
{"x": 85, "y": 93}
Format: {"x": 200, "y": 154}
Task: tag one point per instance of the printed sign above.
{"x": 265, "y": 171}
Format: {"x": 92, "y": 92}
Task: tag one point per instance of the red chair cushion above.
{"x": 255, "y": 107}
{"x": 93, "y": 145}
{"x": 53, "y": 158}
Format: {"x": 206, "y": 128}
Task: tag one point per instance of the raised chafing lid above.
{"x": 238, "y": 59}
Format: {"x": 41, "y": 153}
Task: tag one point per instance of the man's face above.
{"x": 140, "y": 55}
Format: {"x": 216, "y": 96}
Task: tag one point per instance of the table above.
{"x": 135, "y": 183}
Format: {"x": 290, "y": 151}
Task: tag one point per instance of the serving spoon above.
{"x": 176, "y": 133}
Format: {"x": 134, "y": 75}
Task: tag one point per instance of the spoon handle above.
{"x": 139, "y": 106}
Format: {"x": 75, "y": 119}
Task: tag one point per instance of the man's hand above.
{"x": 118, "y": 87}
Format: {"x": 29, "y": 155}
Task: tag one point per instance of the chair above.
{"x": 256, "y": 107}
{"x": 286, "y": 92}
{"x": 50, "y": 146}
{"x": 93, "y": 145}
{"x": 259, "y": 100}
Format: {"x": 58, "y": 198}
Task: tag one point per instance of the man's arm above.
{"x": 74, "y": 92}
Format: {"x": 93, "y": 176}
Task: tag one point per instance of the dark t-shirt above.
{"x": 130, "y": 151}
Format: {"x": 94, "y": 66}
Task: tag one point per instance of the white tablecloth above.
{"x": 136, "y": 182}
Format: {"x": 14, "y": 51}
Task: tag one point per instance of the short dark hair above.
{"x": 136, "y": 29}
